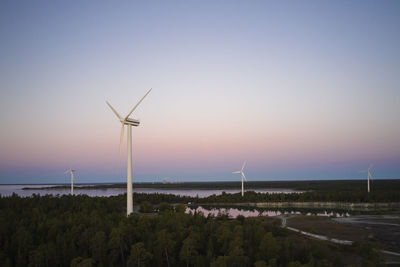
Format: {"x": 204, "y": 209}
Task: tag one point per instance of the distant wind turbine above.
{"x": 243, "y": 177}
{"x": 72, "y": 179}
{"x": 129, "y": 122}
{"x": 369, "y": 177}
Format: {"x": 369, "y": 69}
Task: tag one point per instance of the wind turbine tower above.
{"x": 369, "y": 177}
{"x": 243, "y": 177}
{"x": 128, "y": 122}
{"x": 72, "y": 180}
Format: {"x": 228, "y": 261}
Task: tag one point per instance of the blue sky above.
{"x": 300, "y": 90}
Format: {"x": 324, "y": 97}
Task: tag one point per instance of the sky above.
{"x": 297, "y": 89}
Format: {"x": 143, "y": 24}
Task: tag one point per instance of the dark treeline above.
{"x": 330, "y": 185}
{"x": 94, "y": 231}
{"x": 251, "y": 196}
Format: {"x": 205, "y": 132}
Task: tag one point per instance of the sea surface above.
{"x": 7, "y": 190}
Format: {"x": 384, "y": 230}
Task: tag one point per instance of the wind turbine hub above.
{"x": 131, "y": 122}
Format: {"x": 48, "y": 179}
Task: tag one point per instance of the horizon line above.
{"x": 188, "y": 182}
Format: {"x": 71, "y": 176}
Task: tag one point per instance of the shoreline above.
{"x": 360, "y": 206}
{"x": 301, "y": 185}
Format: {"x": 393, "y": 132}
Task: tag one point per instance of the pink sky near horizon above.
{"x": 192, "y": 150}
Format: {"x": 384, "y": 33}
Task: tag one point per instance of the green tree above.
{"x": 98, "y": 248}
{"x": 236, "y": 253}
{"x": 323, "y": 263}
{"x": 146, "y": 207}
{"x": 116, "y": 248}
{"x": 221, "y": 261}
{"x": 164, "y": 206}
{"x": 180, "y": 208}
{"x": 224, "y": 236}
{"x": 269, "y": 247}
{"x": 298, "y": 264}
{"x": 24, "y": 242}
{"x": 37, "y": 258}
{"x": 189, "y": 251}
{"x": 260, "y": 264}
{"x": 139, "y": 255}
{"x": 272, "y": 263}
{"x": 164, "y": 248}
{"x": 82, "y": 262}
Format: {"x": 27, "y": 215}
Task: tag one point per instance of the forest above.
{"x": 251, "y": 196}
{"x": 95, "y": 231}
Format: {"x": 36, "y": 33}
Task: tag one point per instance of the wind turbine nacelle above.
{"x": 132, "y": 122}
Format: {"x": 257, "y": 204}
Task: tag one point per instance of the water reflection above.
{"x": 8, "y": 190}
{"x": 234, "y": 212}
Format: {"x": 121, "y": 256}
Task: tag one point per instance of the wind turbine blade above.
{"x": 67, "y": 171}
{"x": 121, "y": 139}
{"x": 236, "y": 172}
{"x": 244, "y": 164}
{"x": 115, "y": 112}
{"x": 137, "y": 104}
{"x": 370, "y": 166}
{"x": 244, "y": 176}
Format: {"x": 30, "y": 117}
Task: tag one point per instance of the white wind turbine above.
{"x": 72, "y": 179}
{"x": 129, "y": 122}
{"x": 243, "y": 177}
{"x": 369, "y": 177}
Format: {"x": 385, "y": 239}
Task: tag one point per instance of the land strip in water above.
{"x": 346, "y": 191}
{"x": 326, "y": 185}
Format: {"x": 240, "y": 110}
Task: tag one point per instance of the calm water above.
{"x": 234, "y": 212}
{"x": 7, "y": 190}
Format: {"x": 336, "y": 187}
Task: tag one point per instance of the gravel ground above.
{"x": 383, "y": 228}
